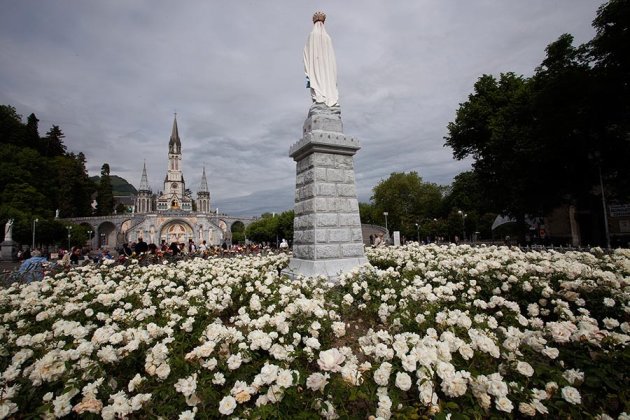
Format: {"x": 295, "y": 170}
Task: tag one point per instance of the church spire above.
{"x": 174, "y": 145}
{"x": 144, "y": 181}
{"x": 203, "y": 195}
{"x": 204, "y": 182}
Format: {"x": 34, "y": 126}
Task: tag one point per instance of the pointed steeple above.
{"x": 174, "y": 145}
{"x": 144, "y": 181}
{"x": 204, "y": 182}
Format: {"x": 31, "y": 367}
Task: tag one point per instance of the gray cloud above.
{"x": 111, "y": 74}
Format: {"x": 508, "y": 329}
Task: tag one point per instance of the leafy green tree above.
{"x": 466, "y": 194}
{"x": 610, "y": 54}
{"x": 12, "y": 129}
{"x": 105, "y": 197}
{"x": 238, "y": 232}
{"x": 543, "y": 141}
{"x": 368, "y": 214}
{"x": 74, "y": 186}
{"x": 407, "y": 200}
{"x": 285, "y": 225}
{"x": 271, "y": 228}
{"x": 490, "y": 128}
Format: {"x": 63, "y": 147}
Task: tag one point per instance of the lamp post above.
{"x": 596, "y": 156}
{"x": 69, "y": 235}
{"x": 428, "y": 219}
{"x": 601, "y": 185}
{"x": 89, "y": 232}
{"x": 386, "y": 214}
{"x": 34, "y": 225}
{"x": 418, "y": 231}
{"x": 461, "y": 213}
{"x": 102, "y": 239}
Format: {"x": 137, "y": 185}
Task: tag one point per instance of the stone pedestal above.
{"x": 327, "y": 237}
{"x": 8, "y": 250}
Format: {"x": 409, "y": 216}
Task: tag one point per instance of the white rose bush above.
{"x": 421, "y": 331}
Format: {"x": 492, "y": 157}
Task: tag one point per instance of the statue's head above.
{"x": 319, "y": 17}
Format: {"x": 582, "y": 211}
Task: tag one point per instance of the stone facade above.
{"x": 327, "y": 236}
{"x": 168, "y": 217}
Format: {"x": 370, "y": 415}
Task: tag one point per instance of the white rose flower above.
{"x": 218, "y": 378}
{"x": 466, "y": 351}
{"x": 339, "y": 329}
{"x": 285, "y": 378}
{"x": 573, "y": 376}
{"x": 381, "y": 375}
{"x": 187, "y": 386}
{"x": 331, "y": 360}
{"x": 234, "y": 361}
{"x": 571, "y": 395}
{"x": 525, "y": 369}
{"x": 227, "y": 405}
{"x": 610, "y": 323}
{"x": 403, "y": 381}
{"x": 317, "y": 381}
{"x": 504, "y": 404}
{"x": 550, "y": 352}
{"x": 269, "y": 373}
{"x": 312, "y": 343}
{"x": 609, "y": 302}
{"x": 527, "y": 409}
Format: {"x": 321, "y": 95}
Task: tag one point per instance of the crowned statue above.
{"x": 320, "y": 65}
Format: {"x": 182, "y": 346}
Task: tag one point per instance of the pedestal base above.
{"x": 331, "y": 269}
{"x": 9, "y": 251}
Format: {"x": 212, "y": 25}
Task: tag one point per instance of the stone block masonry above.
{"x": 327, "y": 228}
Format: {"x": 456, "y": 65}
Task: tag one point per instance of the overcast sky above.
{"x": 112, "y": 73}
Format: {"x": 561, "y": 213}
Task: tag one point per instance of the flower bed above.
{"x": 425, "y": 330}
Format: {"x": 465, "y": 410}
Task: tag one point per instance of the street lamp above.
{"x": 596, "y": 156}
{"x": 34, "y": 224}
{"x": 69, "y": 235}
{"x": 418, "y": 231}
{"x": 102, "y": 239}
{"x": 464, "y": 215}
{"x": 89, "y": 232}
{"x": 386, "y": 214}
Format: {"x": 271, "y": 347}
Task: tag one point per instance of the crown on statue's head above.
{"x": 319, "y": 17}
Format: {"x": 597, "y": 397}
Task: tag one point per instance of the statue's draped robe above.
{"x": 320, "y": 66}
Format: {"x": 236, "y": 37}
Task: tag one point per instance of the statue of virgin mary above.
{"x": 320, "y": 65}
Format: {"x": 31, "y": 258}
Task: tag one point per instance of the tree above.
{"x": 53, "y": 142}
{"x": 546, "y": 140}
{"x": 32, "y": 131}
{"x": 407, "y": 200}
{"x": 105, "y": 197}
{"x": 610, "y": 53}
{"x": 466, "y": 195}
{"x": 238, "y": 232}
{"x": 369, "y": 215}
{"x": 271, "y": 227}
{"x": 492, "y": 127}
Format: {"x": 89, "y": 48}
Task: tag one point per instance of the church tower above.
{"x": 203, "y": 195}
{"x": 143, "y": 199}
{"x": 174, "y": 195}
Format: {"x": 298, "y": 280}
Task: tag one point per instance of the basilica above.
{"x": 172, "y": 215}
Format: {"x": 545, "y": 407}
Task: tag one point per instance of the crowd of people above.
{"x": 34, "y": 263}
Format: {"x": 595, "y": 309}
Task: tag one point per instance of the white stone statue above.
{"x": 320, "y": 65}
{"x": 8, "y": 230}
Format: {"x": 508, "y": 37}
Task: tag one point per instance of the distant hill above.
{"x": 120, "y": 186}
